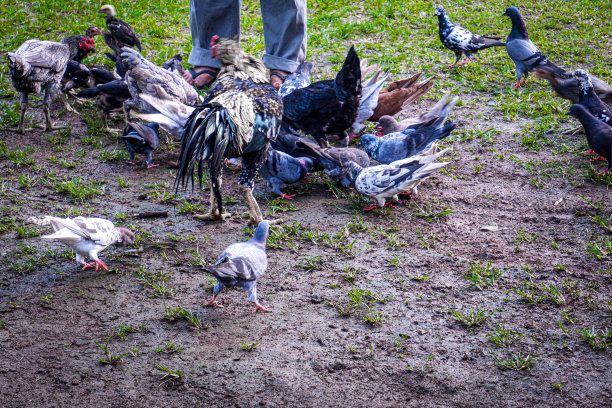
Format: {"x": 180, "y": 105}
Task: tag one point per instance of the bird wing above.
{"x": 525, "y": 51}
{"x": 122, "y": 31}
{"x": 150, "y": 136}
{"x": 45, "y": 54}
{"x": 247, "y": 261}
{"x": 300, "y": 78}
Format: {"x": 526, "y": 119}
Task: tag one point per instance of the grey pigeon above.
{"x": 141, "y": 139}
{"x": 280, "y": 169}
{"x": 388, "y": 180}
{"x": 598, "y": 133}
{"x": 568, "y": 88}
{"x": 88, "y": 236}
{"x": 589, "y": 99}
{"x": 462, "y": 41}
{"x": 400, "y": 145}
{"x": 286, "y": 142}
{"x": 241, "y": 264}
{"x": 300, "y": 78}
{"x": 526, "y": 56}
{"x": 333, "y": 159}
{"x": 369, "y": 100}
{"x": 387, "y": 124}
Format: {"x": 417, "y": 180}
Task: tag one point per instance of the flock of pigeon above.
{"x": 244, "y": 117}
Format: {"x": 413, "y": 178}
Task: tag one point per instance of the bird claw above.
{"x": 465, "y": 61}
{"x": 260, "y": 307}
{"x": 255, "y": 222}
{"x": 591, "y": 151}
{"x": 604, "y": 173}
{"x": 389, "y": 204}
{"x": 151, "y": 165}
{"x": 131, "y": 163}
{"x": 285, "y": 196}
{"x": 213, "y": 216}
{"x": 89, "y": 265}
{"x": 370, "y": 208}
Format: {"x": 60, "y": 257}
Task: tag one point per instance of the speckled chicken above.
{"x": 81, "y": 45}
{"x": 38, "y": 65}
{"x": 239, "y": 118}
{"x": 141, "y": 77}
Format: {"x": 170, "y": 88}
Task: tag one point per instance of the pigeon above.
{"x": 526, "y": 56}
{"x": 598, "y": 133}
{"x": 398, "y": 95}
{"x": 568, "y": 88}
{"x": 368, "y": 101}
{"x": 241, "y": 264}
{"x": 286, "y": 142}
{"x": 88, "y": 236}
{"x": 589, "y": 99}
{"x": 388, "y": 180}
{"x": 387, "y": 124}
{"x": 300, "y": 78}
{"x": 400, "y": 145}
{"x": 462, "y": 41}
{"x": 327, "y": 107}
{"x": 142, "y": 140}
{"x": 333, "y": 159}
{"x": 280, "y": 169}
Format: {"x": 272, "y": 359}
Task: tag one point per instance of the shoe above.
{"x": 195, "y": 74}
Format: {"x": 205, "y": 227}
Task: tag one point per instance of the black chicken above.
{"x": 34, "y": 66}
{"x": 81, "y": 45}
{"x": 120, "y": 34}
{"x": 109, "y": 98}
{"x": 327, "y": 107}
{"x": 239, "y": 118}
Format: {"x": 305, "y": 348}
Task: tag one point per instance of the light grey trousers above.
{"x": 284, "y": 28}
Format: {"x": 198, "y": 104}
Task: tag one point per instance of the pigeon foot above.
{"x": 465, "y": 61}
{"x": 604, "y": 173}
{"x": 213, "y": 302}
{"x": 591, "y": 151}
{"x": 151, "y": 165}
{"x": 370, "y": 208}
{"x": 286, "y": 197}
{"x": 131, "y": 163}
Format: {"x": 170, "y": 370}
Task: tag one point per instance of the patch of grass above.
{"x": 514, "y": 361}
{"x": 430, "y": 213}
{"x": 109, "y": 357}
{"x": 168, "y": 374}
{"x": 503, "y": 337}
{"x": 474, "y": 316}
{"x": 168, "y": 348}
{"x": 78, "y": 188}
{"x": 248, "y": 346}
{"x": 482, "y": 276}
{"x": 599, "y": 339}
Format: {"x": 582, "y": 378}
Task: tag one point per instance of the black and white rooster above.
{"x": 238, "y": 119}
{"x": 462, "y": 41}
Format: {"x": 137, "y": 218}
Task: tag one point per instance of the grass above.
{"x": 473, "y": 316}
{"x": 482, "y": 276}
{"x": 516, "y": 361}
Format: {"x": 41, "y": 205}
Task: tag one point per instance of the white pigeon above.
{"x": 388, "y": 180}
{"x": 88, "y": 236}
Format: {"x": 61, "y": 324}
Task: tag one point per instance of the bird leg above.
{"x": 518, "y": 84}
{"x": 465, "y": 61}
{"x": 23, "y": 108}
{"x": 213, "y": 214}
{"x": 260, "y": 307}
{"x": 590, "y": 151}
{"x": 49, "y": 125}
{"x": 67, "y": 105}
{"x": 254, "y": 210}
{"x": 97, "y": 264}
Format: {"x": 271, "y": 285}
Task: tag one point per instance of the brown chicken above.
{"x": 398, "y": 95}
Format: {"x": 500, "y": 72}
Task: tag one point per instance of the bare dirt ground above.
{"x": 360, "y": 301}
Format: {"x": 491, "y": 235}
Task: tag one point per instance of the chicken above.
{"x": 327, "y": 107}
{"x": 88, "y": 236}
{"x": 81, "y": 45}
{"x": 76, "y": 75}
{"x": 398, "y": 95}
{"x": 239, "y": 118}
{"x": 142, "y": 75}
{"x": 175, "y": 64}
{"x": 120, "y": 34}
{"x": 34, "y": 66}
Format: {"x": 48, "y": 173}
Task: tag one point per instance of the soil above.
{"x": 315, "y": 348}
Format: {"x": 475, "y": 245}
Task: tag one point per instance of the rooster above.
{"x": 327, "y": 107}
{"x": 81, "y": 45}
{"x": 239, "y": 118}
{"x": 34, "y": 66}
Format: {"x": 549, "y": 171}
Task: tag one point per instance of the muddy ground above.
{"x": 360, "y": 301}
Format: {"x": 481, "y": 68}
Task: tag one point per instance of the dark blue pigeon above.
{"x": 400, "y": 145}
{"x": 142, "y": 140}
{"x": 300, "y": 78}
{"x": 526, "y": 56}
{"x": 462, "y": 41}
{"x": 598, "y": 133}
{"x": 281, "y": 169}
{"x": 241, "y": 264}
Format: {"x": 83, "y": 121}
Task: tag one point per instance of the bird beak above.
{"x": 505, "y": 14}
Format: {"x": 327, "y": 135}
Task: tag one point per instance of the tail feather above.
{"x": 89, "y": 93}
{"x": 421, "y": 89}
{"x": 177, "y": 114}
